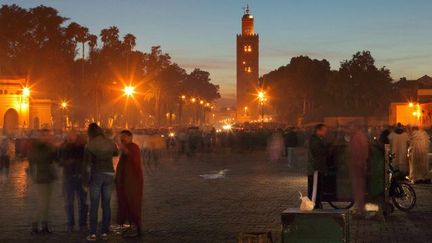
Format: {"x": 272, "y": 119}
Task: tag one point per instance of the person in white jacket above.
{"x": 418, "y": 156}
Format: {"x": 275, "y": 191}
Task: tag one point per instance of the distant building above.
{"x": 247, "y": 69}
{"x": 419, "y": 90}
{"x": 412, "y": 102}
{"x": 18, "y": 110}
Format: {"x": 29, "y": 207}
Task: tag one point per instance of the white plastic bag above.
{"x": 306, "y": 203}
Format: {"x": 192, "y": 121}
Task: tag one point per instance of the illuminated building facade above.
{"x": 412, "y": 102}
{"x": 18, "y": 110}
{"x": 247, "y": 69}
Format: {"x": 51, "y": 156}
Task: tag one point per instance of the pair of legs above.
{"x": 290, "y": 156}
{"x": 100, "y": 189}
{"x": 129, "y": 207}
{"x": 43, "y": 200}
{"x": 358, "y": 180}
{"x": 72, "y": 186}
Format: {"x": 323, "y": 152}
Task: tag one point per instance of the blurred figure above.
{"x": 74, "y": 174}
{"x": 182, "y": 137}
{"x": 275, "y": 146}
{"x": 291, "y": 142}
{"x": 5, "y": 157}
{"x": 129, "y": 184}
{"x": 384, "y": 137}
{"x": 318, "y": 155}
{"x": 42, "y": 157}
{"x": 399, "y": 146}
{"x": 358, "y": 153}
{"x": 99, "y": 154}
{"x": 418, "y": 156}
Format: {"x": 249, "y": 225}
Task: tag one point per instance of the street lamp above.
{"x": 129, "y": 90}
{"x": 63, "y": 106}
{"x": 183, "y": 98}
{"x": 26, "y": 91}
{"x": 262, "y": 98}
{"x": 201, "y": 114}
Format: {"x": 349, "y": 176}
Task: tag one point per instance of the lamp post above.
{"x": 201, "y": 116}
{"x": 128, "y": 91}
{"x": 64, "y": 106}
{"x": 182, "y": 100}
{"x": 262, "y": 98}
{"x": 194, "y": 110}
{"x": 24, "y": 104}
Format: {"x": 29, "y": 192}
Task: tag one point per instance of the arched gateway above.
{"x": 10, "y": 120}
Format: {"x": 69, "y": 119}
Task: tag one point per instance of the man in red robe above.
{"x": 129, "y": 184}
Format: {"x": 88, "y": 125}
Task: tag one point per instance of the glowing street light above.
{"x": 26, "y": 91}
{"x": 193, "y": 100}
{"x": 64, "y": 104}
{"x": 183, "y": 97}
{"x": 227, "y": 127}
{"x": 261, "y": 95}
{"x": 129, "y": 90}
{"x": 261, "y": 99}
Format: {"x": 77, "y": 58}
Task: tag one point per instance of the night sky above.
{"x": 199, "y": 33}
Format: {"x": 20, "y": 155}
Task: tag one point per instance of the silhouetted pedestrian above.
{"x": 318, "y": 155}
{"x": 358, "y": 152}
{"x": 99, "y": 154}
{"x": 42, "y": 157}
{"x": 74, "y": 174}
{"x": 129, "y": 184}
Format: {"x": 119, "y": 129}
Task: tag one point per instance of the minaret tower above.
{"x": 247, "y": 69}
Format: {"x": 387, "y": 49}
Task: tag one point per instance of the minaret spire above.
{"x": 246, "y": 9}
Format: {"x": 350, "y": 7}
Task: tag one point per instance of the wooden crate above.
{"x": 318, "y": 226}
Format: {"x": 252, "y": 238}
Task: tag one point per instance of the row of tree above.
{"x": 308, "y": 88}
{"x": 63, "y": 60}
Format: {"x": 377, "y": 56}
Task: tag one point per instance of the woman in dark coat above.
{"x": 129, "y": 183}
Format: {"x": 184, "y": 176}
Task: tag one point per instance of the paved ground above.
{"x": 180, "y": 206}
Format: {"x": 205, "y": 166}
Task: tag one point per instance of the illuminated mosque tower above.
{"x": 247, "y": 69}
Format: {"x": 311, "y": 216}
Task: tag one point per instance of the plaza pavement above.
{"x": 180, "y": 206}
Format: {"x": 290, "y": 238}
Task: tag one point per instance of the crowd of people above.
{"x": 410, "y": 146}
{"x": 89, "y": 174}
{"x": 88, "y": 171}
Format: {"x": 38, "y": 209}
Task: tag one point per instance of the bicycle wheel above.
{"x": 404, "y": 196}
{"x": 341, "y": 205}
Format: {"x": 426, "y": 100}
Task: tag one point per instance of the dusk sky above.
{"x": 198, "y": 33}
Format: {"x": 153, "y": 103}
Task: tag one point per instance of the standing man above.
{"x": 5, "y": 157}
{"x": 74, "y": 174}
{"x": 318, "y": 155}
{"x": 99, "y": 154}
{"x": 42, "y": 157}
{"x": 129, "y": 183}
{"x": 291, "y": 142}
